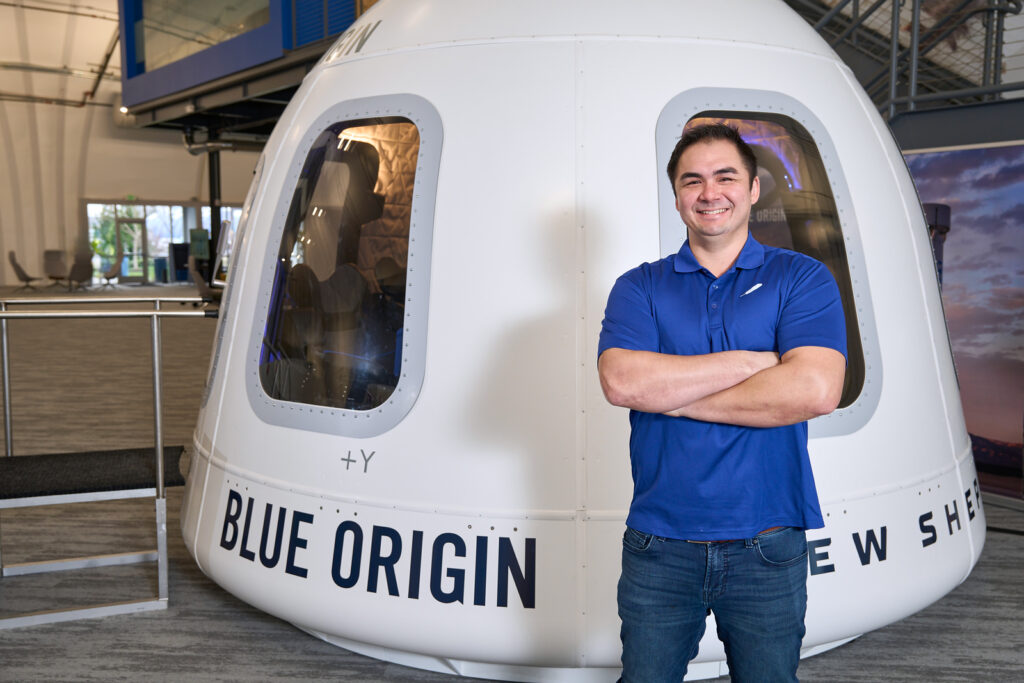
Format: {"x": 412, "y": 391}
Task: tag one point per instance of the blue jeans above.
{"x": 757, "y": 589}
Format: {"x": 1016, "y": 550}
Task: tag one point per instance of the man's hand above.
{"x": 808, "y": 382}
{"x": 658, "y": 382}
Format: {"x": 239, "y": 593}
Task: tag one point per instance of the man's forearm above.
{"x": 657, "y": 382}
{"x": 807, "y": 383}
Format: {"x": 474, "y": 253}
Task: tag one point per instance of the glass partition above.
{"x": 174, "y": 29}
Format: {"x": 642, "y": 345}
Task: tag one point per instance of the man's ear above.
{"x": 755, "y": 190}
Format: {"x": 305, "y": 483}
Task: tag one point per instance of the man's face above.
{"x": 713, "y": 191}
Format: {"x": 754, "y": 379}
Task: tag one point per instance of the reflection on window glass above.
{"x": 334, "y": 332}
{"x": 225, "y": 241}
{"x": 797, "y": 211}
{"x": 174, "y": 29}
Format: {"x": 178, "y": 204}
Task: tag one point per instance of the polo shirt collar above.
{"x": 751, "y": 256}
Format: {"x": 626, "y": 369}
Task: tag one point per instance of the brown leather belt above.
{"x": 731, "y": 540}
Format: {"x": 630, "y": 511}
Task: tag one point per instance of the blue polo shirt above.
{"x": 708, "y": 481}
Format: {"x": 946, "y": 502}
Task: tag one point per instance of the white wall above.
{"x": 52, "y": 155}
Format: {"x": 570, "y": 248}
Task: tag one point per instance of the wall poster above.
{"x": 983, "y": 295}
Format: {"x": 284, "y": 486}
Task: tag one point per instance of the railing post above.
{"x": 915, "y": 40}
{"x": 997, "y": 61}
{"x": 161, "y": 493}
{"x": 155, "y": 315}
{"x": 894, "y": 56}
{"x": 161, "y": 548}
{"x": 5, "y": 352}
{"x": 157, "y": 404}
{"x": 987, "y": 60}
{"x": 856, "y": 17}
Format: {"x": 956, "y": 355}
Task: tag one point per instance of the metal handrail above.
{"x": 934, "y": 36}
{"x": 154, "y": 315}
{"x": 904, "y": 64}
{"x": 962, "y": 92}
{"x": 931, "y": 37}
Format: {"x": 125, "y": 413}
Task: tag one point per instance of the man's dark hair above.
{"x": 707, "y": 133}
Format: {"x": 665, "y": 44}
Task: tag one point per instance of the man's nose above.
{"x": 710, "y": 191}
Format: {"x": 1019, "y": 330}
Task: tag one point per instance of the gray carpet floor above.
{"x": 87, "y": 385}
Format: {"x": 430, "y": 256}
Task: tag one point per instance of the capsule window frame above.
{"x": 750, "y": 104}
{"x": 382, "y": 418}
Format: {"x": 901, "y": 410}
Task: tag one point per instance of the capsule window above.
{"x": 338, "y": 342}
{"x": 334, "y": 333}
{"x": 805, "y": 205}
{"x": 797, "y": 210}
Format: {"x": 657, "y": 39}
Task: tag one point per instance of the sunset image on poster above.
{"x": 983, "y": 295}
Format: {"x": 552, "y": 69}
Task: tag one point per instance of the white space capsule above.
{"x": 404, "y": 448}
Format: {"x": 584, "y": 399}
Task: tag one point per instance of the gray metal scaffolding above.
{"x": 926, "y": 54}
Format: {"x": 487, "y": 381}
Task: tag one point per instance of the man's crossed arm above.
{"x": 746, "y": 388}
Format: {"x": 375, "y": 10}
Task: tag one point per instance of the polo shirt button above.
{"x": 714, "y": 305}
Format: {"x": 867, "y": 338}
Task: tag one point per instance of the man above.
{"x": 721, "y": 352}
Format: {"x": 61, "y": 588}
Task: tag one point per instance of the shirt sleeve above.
{"x": 629, "y": 317}
{"x": 812, "y": 314}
